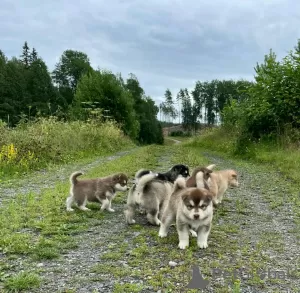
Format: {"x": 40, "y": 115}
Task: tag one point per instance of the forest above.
{"x": 74, "y": 91}
{"x": 265, "y": 108}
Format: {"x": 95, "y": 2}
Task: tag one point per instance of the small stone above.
{"x": 172, "y": 264}
{"x": 39, "y": 265}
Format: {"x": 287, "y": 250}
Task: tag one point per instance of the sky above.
{"x": 165, "y": 43}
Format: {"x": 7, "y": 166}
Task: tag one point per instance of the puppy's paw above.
{"x": 70, "y": 210}
{"x": 84, "y": 208}
{"x": 111, "y": 210}
{"x": 129, "y": 222}
{"x": 162, "y": 234}
{"x": 202, "y": 245}
{"x": 183, "y": 244}
{"x": 194, "y": 233}
{"x": 157, "y": 222}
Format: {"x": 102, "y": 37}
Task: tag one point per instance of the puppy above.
{"x": 199, "y": 177}
{"x": 220, "y": 181}
{"x": 100, "y": 190}
{"x": 132, "y": 195}
{"x": 190, "y": 208}
{"x": 151, "y": 192}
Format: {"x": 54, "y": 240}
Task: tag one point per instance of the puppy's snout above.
{"x": 196, "y": 217}
{"x": 127, "y": 187}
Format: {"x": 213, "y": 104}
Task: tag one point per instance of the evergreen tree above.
{"x": 25, "y": 57}
{"x": 43, "y": 98}
{"x": 33, "y": 56}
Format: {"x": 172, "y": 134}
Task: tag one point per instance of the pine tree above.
{"x": 25, "y": 57}
{"x": 33, "y": 56}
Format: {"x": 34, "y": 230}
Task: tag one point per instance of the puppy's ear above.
{"x": 116, "y": 177}
{"x": 185, "y": 196}
{"x": 209, "y": 196}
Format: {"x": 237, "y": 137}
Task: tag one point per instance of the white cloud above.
{"x": 166, "y": 43}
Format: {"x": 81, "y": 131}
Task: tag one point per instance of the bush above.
{"x": 46, "y": 140}
{"x": 180, "y": 133}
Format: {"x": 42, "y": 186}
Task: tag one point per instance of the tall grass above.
{"x": 47, "y": 140}
{"x": 283, "y": 154}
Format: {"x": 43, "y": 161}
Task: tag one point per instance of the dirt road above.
{"x": 253, "y": 246}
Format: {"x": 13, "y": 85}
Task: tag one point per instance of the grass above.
{"x": 38, "y": 228}
{"x": 47, "y": 141}
{"x": 283, "y": 158}
{"x": 22, "y": 281}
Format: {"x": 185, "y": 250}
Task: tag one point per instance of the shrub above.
{"x": 47, "y": 140}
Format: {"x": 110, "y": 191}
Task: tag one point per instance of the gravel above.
{"x": 255, "y": 221}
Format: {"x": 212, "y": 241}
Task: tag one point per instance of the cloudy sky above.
{"x": 166, "y": 43}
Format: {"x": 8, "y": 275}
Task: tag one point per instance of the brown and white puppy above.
{"x": 190, "y": 208}
{"x": 101, "y": 190}
{"x": 220, "y": 181}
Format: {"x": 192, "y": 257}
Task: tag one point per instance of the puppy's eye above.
{"x": 189, "y": 207}
{"x": 203, "y": 207}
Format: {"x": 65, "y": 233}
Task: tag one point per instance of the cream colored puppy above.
{"x": 219, "y": 181}
{"x": 190, "y": 208}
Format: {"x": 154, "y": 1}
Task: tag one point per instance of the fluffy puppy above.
{"x": 200, "y": 175}
{"x": 219, "y": 181}
{"x": 151, "y": 192}
{"x": 190, "y": 208}
{"x": 100, "y": 190}
{"x": 132, "y": 196}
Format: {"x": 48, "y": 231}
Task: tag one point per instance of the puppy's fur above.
{"x": 220, "y": 181}
{"x": 151, "y": 192}
{"x": 196, "y": 177}
{"x": 132, "y": 195}
{"x": 100, "y": 190}
{"x": 189, "y": 207}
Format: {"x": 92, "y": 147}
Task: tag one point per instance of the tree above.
{"x": 42, "y": 96}
{"x": 169, "y": 108}
{"x": 12, "y": 89}
{"x": 33, "y": 56}
{"x": 105, "y": 88}
{"x": 146, "y": 112}
{"x": 186, "y": 109}
{"x": 68, "y": 71}
{"x": 25, "y": 57}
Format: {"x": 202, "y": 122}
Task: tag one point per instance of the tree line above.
{"x": 75, "y": 90}
{"x": 267, "y": 109}
{"x": 203, "y": 104}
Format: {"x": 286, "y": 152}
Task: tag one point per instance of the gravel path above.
{"x": 262, "y": 233}
{"x": 42, "y": 179}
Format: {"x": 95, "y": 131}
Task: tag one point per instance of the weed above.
{"x": 22, "y": 281}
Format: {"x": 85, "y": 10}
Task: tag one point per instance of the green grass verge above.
{"x": 44, "y": 142}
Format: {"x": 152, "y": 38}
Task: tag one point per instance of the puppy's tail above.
{"x": 200, "y": 181}
{"x": 144, "y": 180}
{"x": 210, "y": 167}
{"x": 140, "y": 173}
{"x": 73, "y": 177}
{"x": 179, "y": 184}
